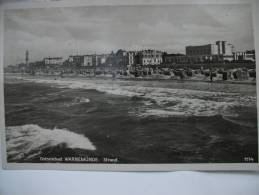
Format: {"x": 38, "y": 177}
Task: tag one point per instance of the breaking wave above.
{"x": 77, "y": 100}
{"x": 164, "y": 101}
{"x": 27, "y": 141}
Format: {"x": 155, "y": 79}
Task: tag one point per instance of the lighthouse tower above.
{"x": 27, "y": 57}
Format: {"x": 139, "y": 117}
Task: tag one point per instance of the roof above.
{"x": 175, "y": 54}
{"x": 193, "y": 46}
{"x": 53, "y": 58}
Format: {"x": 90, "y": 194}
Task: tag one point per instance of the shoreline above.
{"x": 204, "y": 80}
{"x": 192, "y": 80}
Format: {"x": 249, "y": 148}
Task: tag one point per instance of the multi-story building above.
{"x": 150, "y": 57}
{"x": 225, "y": 50}
{"x": 53, "y": 61}
{"x": 202, "y": 50}
{"x": 250, "y": 55}
{"x": 175, "y": 59}
{"x": 131, "y": 58}
{"x": 121, "y": 58}
{"x": 245, "y": 56}
{"x": 88, "y": 60}
{"x": 111, "y": 59}
{"x": 36, "y": 64}
{"x": 101, "y": 59}
{"x": 76, "y": 60}
{"x": 218, "y": 52}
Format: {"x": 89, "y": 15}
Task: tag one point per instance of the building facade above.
{"x": 175, "y": 59}
{"x": 101, "y": 59}
{"x": 219, "y": 52}
{"x": 121, "y": 58}
{"x": 225, "y": 51}
{"x": 53, "y": 61}
{"x": 131, "y": 58}
{"x": 245, "y": 56}
{"x": 150, "y": 57}
{"x": 88, "y": 60}
{"x": 202, "y": 50}
{"x": 76, "y": 60}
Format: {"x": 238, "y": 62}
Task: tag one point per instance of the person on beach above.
{"x": 211, "y": 76}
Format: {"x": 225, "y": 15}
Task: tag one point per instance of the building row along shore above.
{"x": 208, "y": 60}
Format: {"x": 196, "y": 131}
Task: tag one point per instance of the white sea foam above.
{"x": 84, "y": 100}
{"x": 185, "y": 101}
{"x": 29, "y": 140}
{"x": 77, "y": 100}
{"x": 161, "y": 113}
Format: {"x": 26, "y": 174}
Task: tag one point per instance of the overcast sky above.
{"x": 101, "y": 29}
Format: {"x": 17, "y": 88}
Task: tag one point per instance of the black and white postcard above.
{"x": 129, "y": 86}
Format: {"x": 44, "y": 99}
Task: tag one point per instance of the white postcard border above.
{"x": 119, "y": 167}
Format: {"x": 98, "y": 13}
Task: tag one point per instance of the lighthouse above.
{"x": 27, "y": 57}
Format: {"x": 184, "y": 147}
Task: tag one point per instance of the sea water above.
{"x": 132, "y": 120}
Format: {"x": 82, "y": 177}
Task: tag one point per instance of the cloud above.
{"x": 65, "y": 31}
